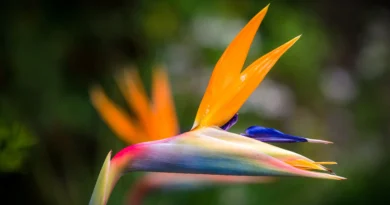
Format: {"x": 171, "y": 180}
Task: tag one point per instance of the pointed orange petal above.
{"x": 229, "y": 66}
{"x": 238, "y": 91}
{"x": 165, "y": 120}
{"x": 115, "y": 117}
{"x": 131, "y": 86}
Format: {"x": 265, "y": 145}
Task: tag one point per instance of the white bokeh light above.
{"x": 271, "y": 100}
{"x": 338, "y": 86}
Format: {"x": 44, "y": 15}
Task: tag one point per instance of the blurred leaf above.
{"x": 15, "y": 141}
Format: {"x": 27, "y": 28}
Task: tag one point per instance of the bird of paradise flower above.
{"x": 163, "y": 108}
{"x": 208, "y": 149}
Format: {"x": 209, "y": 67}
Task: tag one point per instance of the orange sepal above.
{"x": 229, "y": 66}
{"x": 164, "y": 117}
{"x": 116, "y": 118}
{"x": 234, "y": 96}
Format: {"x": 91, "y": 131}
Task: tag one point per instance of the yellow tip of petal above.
{"x": 292, "y": 41}
{"x": 307, "y": 165}
{"x": 325, "y": 163}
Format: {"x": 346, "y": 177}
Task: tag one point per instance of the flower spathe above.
{"x": 161, "y": 108}
{"x": 207, "y": 149}
{"x": 215, "y": 151}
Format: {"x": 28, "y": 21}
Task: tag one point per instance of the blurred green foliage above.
{"x": 16, "y": 142}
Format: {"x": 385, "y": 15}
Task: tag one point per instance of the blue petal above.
{"x": 271, "y": 135}
{"x": 230, "y": 123}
